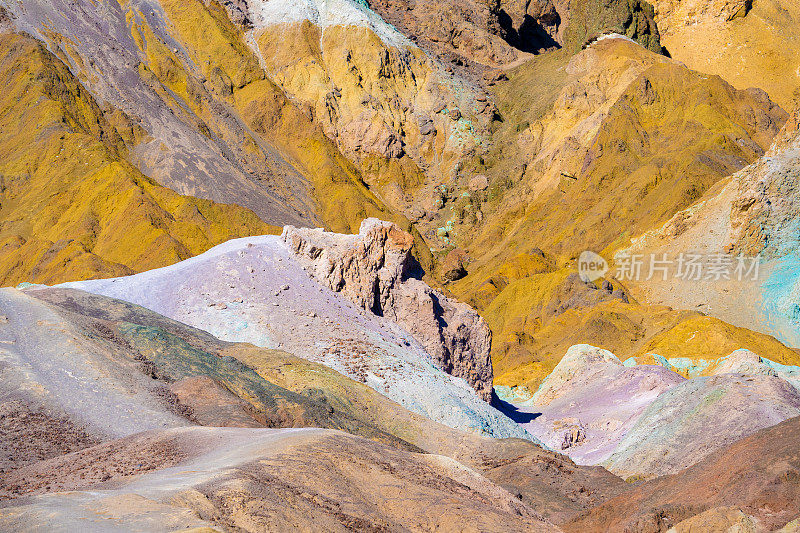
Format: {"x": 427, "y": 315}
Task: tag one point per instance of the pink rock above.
{"x": 376, "y": 270}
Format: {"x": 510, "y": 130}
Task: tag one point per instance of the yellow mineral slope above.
{"x": 72, "y": 207}
{"x": 232, "y": 70}
{"x": 618, "y": 140}
{"x": 750, "y": 43}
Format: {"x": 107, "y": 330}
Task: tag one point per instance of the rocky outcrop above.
{"x": 376, "y": 270}
{"x": 764, "y": 213}
{"x": 673, "y": 13}
{"x": 255, "y": 290}
{"x": 238, "y": 12}
{"x": 477, "y": 35}
{"x": 454, "y": 265}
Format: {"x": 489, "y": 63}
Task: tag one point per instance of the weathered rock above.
{"x": 453, "y": 266}
{"x": 238, "y": 12}
{"x": 574, "y": 435}
{"x": 479, "y": 183}
{"x": 426, "y": 126}
{"x": 376, "y": 270}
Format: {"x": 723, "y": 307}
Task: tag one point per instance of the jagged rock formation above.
{"x": 475, "y": 34}
{"x": 255, "y": 290}
{"x": 675, "y": 13}
{"x": 238, "y": 12}
{"x": 375, "y": 270}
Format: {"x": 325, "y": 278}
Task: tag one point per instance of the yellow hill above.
{"x": 757, "y": 47}
{"x": 71, "y": 206}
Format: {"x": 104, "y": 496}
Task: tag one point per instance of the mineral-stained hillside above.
{"x": 403, "y": 355}
{"x": 632, "y": 138}
{"x": 646, "y": 420}
{"x": 192, "y": 111}
{"x": 71, "y": 204}
{"x": 754, "y": 212}
{"x": 750, "y": 43}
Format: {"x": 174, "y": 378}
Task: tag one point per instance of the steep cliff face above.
{"x": 475, "y": 35}
{"x": 255, "y": 290}
{"x": 376, "y": 271}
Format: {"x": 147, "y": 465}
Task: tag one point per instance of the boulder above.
{"x": 478, "y": 183}
{"x": 453, "y": 266}
{"x": 426, "y": 126}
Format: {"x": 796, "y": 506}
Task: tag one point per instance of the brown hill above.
{"x": 758, "y": 474}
